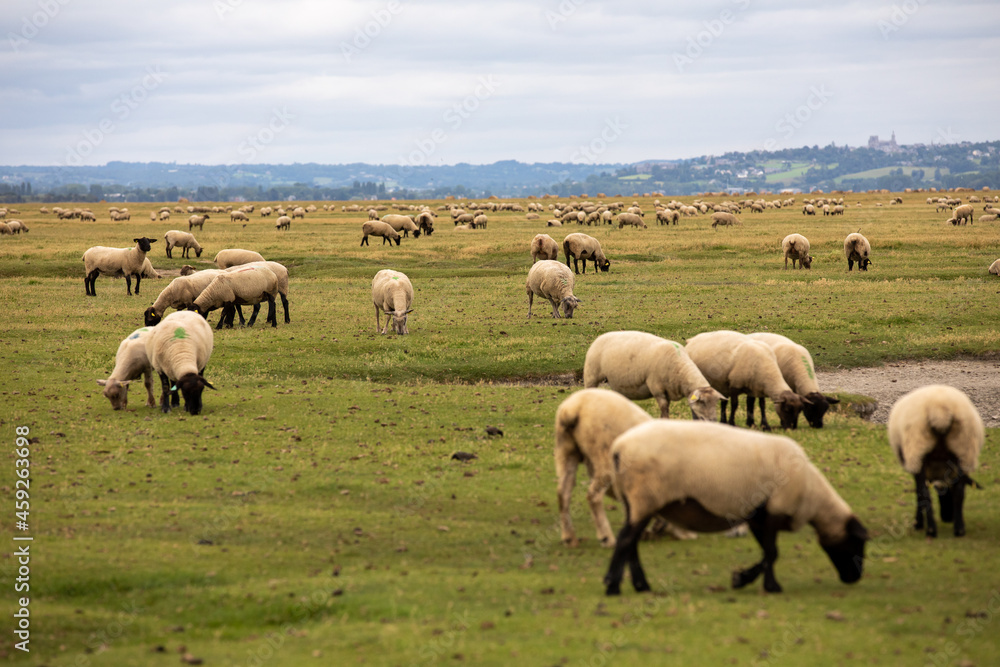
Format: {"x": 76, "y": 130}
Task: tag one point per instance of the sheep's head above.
{"x": 604, "y": 265}
{"x": 197, "y": 252}
{"x": 703, "y": 403}
{"x": 815, "y": 406}
{"x": 191, "y": 386}
{"x": 396, "y": 238}
{"x": 144, "y": 243}
{"x": 416, "y": 233}
{"x": 116, "y": 392}
{"x": 399, "y": 321}
{"x": 848, "y": 554}
{"x": 788, "y": 405}
{"x": 569, "y": 304}
{"x": 187, "y": 269}
{"x": 806, "y": 262}
{"x": 863, "y": 264}
{"x": 150, "y": 317}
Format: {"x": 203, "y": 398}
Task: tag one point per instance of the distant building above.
{"x": 885, "y": 146}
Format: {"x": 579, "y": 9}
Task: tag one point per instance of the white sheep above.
{"x": 283, "y": 222}
{"x": 425, "y": 221}
{"x": 130, "y": 362}
{"x": 179, "y": 294}
{"x": 797, "y": 368}
{"x": 722, "y": 218}
{"x": 235, "y": 216}
{"x": 17, "y": 226}
{"x": 178, "y": 349}
{"x": 796, "y": 247}
{"x": 392, "y": 294}
{"x": 963, "y": 213}
{"x": 298, "y": 212}
{"x": 937, "y": 434}
{"x": 995, "y": 268}
{"x": 857, "y": 249}
{"x": 236, "y": 257}
{"x": 632, "y": 219}
{"x": 243, "y": 286}
{"x": 551, "y": 280}
{"x": 113, "y": 261}
{"x": 709, "y": 477}
{"x": 379, "y": 228}
{"x": 544, "y": 246}
{"x": 197, "y": 221}
{"x": 281, "y": 273}
{"x": 5, "y": 229}
{"x": 734, "y": 364}
{"x": 184, "y": 240}
{"x": 402, "y": 223}
{"x": 582, "y": 247}
{"x": 639, "y": 365}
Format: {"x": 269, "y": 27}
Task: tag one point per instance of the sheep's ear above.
{"x": 832, "y": 400}
{"x": 207, "y": 383}
{"x": 855, "y": 529}
{"x": 408, "y": 310}
{"x": 718, "y": 395}
{"x": 136, "y": 240}
{"x": 806, "y": 401}
{"x": 102, "y": 382}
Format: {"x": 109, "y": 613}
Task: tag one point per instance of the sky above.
{"x": 413, "y": 82}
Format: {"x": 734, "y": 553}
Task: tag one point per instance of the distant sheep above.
{"x": 963, "y": 213}
{"x": 178, "y": 350}
{"x": 402, "y": 223}
{"x": 551, "y": 280}
{"x": 543, "y": 246}
{"x": 238, "y": 216}
{"x": 632, "y": 219}
{"x": 235, "y": 257}
{"x": 127, "y": 262}
{"x": 130, "y": 363}
{"x": 179, "y": 294}
{"x": 183, "y": 240}
{"x": 283, "y": 222}
{"x": 857, "y": 249}
{"x": 796, "y": 247}
{"x": 581, "y": 247}
{"x": 379, "y": 228}
{"x": 197, "y": 221}
{"x": 17, "y": 226}
{"x": 724, "y": 219}
{"x": 392, "y": 294}
{"x": 937, "y": 434}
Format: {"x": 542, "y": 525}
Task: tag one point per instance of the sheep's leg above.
{"x": 850, "y": 264}
{"x": 957, "y": 501}
{"x": 138, "y": 279}
{"x": 253, "y": 314}
{"x": 627, "y": 550}
{"x": 128, "y": 284}
{"x": 531, "y": 297}
{"x": 555, "y": 308}
{"x": 566, "y": 474}
{"x": 599, "y": 486}
{"x": 735, "y": 398}
{"x": 222, "y": 319}
{"x": 750, "y": 406}
{"x": 90, "y": 282}
{"x": 723, "y": 404}
{"x": 169, "y": 255}
{"x": 239, "y": 310}
{"x": 378, "y": 323}
{"x": 165, "y": 395}
{"x": 147, "y": 380}
{"x": 284, "y": 304}
{"x": 925, "y": 507}
{"x": 272, "y": 315}
{"x": 663, "y": 400}
{"x": 764, "y": 426}
{"x": 766, "y": 534}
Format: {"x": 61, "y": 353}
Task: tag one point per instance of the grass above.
{"x": 885, "y": 171}
{"x": 311, "y": 514}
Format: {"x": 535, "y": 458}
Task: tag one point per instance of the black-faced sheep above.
{"x": 379, "y": 228}
{"x": 582, "y": 247}
{"x": 178, "y": 350}
{"x": 709, "y": 477}
{"x": 243, "y": 286}
{"x": 402, "y": 223}
{"x": 116, "y": 261}
{"x": 551, "y": 280}
{"x": 724, "y": 219}
{"x": 197, "y": 221}
{"x": 857, "y": 249}
{"x": 937, "y": 434}
{"x": 797, "y": 368}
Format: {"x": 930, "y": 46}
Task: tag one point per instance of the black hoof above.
{"x": 773, "y": 588}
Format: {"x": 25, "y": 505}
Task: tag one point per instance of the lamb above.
{"x": 797, "y": 368}
{"x": 379, "y": 228}
{"x": 392, "y": 294}
{"x": 734, "y": 365}
{"x": 857, "y": 249}
{"x": 544, "y": 246}
{"x": 937, "y": 434}
{"x": 581, "y": 247}
{"x": 179, "y": 294}
{"x": 178, "y": 349}
{"x": 550, "y": 280}
{"x": 995, "y": 268}
{"x": 402, "y": 223}
{"x": 130, "y": 363}
{"x": 724, "y": 219}
{"x": 283, "y": 222}
{"x": 640, "y": 365}
{"x": 197, "y": 221}
{"x": 632, "y": 219}
{"x": 245, "y": 285}
{"x": 796, "y": 247}
{"x": 963, "y": 213}
{"x": 708, "y": 477}
{"x": 125, "y": 261}
{"x": 235, "y": 257}
{"x": 184, "y": 240}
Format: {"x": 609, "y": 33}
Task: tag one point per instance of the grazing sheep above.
{"x": 554, "y": 223}
{"x": 464, "y": 218}
{"x": 550, "y": 280}
{"x": 298, "y": 212}
{"x": 113, "y": 261}
{"x": 734, "y": 365}
{"x": 281, "y": 273}
{"x": 640, "y": 365}
{"x": 283, "y": 222}
{"x": 243, "y": 286}
{"x": 402, "y": 223}
{"x": 632, "y": 219}
{"x": 392, "y": 294}
{"x": 480, "y": 221}
{"x": 5, "y": 229}
{"x": 963, "y": 213}
{"x": 425, "y": 220}
{"x": 197, "y": 221}
{"x": 667, "y": 216}
{"x": 179, "y": 349}
{"x": 17, "y": 226}
{"x": 582, "y": 247}
{"x": 837, "y": 210}
{"x": 266, "y": 211}
{"x": 808, "y": 209}
{"x": 995, "y": 268}
{"x": 372, "y": 214}
{"x": 937, "y": 434}
{"x": 796, "y": 247}
{"x": 722, "y": 218}
{"x": 179, "y": 294}
{"x": 130, "y": 363}
{"x": 709, "y": 477}
{"x": 241, "y": 216}
{"x": 379, "y": 228}
{"x": 544, "y": 246}
{"x": 164, "y": 215}
{"x": 184, "y": 240}
{"x": 797, "y": 368}
{"x": 235, "y": 257}
{"x": 857, "y": 249}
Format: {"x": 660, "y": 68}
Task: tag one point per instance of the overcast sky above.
{"x": 447, "y": 81}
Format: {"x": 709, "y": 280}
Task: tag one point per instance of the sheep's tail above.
{"x": 939, "y": 419}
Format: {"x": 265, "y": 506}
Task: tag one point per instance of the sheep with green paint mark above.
{"x": 130, "y": 362}
{"x": 178, "y": 350}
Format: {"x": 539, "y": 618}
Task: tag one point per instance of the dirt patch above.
{"x": 886, "y": 383}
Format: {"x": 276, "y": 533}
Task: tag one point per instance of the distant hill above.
{"x": 882, "y": 164}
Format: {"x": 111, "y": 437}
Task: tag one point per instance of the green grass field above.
{"x": 311, "y": 514}
{"x": 885, "y": 171}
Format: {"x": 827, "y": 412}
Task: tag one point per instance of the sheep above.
{"x": 464, "y": 218}
{"x": 937, "y": 434}
{"x": 266, "y": 211}
{"x": 581, "y": 248}
{"x": 197, "y": 221}
{"x": 632, "y": 219}
{"x": 184, "y": 240}
{"x": 837, "y": 210}
{"x": 5, "y": 229}
{"x": 243, "y": 286}
{"x": 724, "y": 219}
{"x": 667, "y": 216}
{"x": 640, "y": 365}
{"x": 179, "y": 294}
{"x": 281, "y": 273}
{"x": 425, "y": 220}
{"x": 995, "y": 268}
{"x": 379, "y": 228}
{"x": 178, "y": 349}
{"x": 392, "y": 294}
{"x": 17, "y": 226}
{"x": 283, "y": 222}
{"x": 963, "y": 213}
{"x": 298, "y": 212}
{"x": 797, "y": 368}
{"x": 982, "y": 218}
{"x": 553, "y": 223}
{"x": 857, "y": 249}
{"x": 544, "y": 246}
{"x": 130, "y": 363}
{"x": 708, "y": 477}
{"x": 585, "y": 426}
{"x": 480, "y": 221}
{"x": 235, "y": 216}
{"x": 125, "y": 261}
{"x": 550, "y": 280}
{"x": 164, "y": 215}
{"x": 734, "y": 365}
{"x": 808, "y": 209}
{"x": 796, "y": 247}
{"x": 402, "y": 223}
{"x": 235, "y": 257}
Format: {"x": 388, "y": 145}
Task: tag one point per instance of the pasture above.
{"x": 311, "y": 514}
